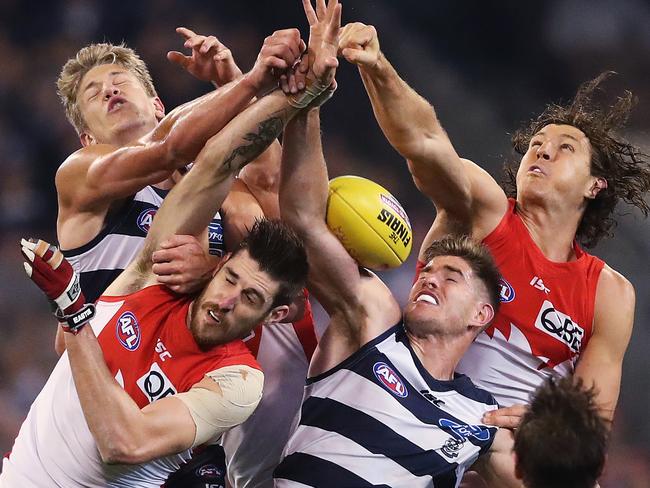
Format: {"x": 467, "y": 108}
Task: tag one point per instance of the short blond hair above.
{"x": 86, "y": 59}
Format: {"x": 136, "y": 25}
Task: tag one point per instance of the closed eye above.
{"x": 568, "y": 146}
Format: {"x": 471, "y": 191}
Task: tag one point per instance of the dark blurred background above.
{"x": 485, "y": 66}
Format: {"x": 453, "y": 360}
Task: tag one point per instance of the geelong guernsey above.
{"x": 545, "y": 320}
{"x": 254, "y": 448}
{"x": 101, "y": 260}
{"x": 380, "y": 419}
{"x": 152, "y": 354}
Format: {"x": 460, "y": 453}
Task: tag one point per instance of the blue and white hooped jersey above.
{"x": 379, "y": 419}
{"x": 101, "y": 260}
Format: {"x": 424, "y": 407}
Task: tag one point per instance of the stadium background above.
{"x": 485, "y": 66}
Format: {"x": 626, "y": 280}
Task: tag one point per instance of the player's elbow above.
{"x": 121, "y": 448}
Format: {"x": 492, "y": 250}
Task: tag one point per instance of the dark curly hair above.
{"x": 623, "y": 165}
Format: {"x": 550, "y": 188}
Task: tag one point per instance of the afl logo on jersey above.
{"x": 390, "y": 380}
{"x": 506, "y": 291}
{"x": 127, "y": 330}
{"x": 145, "y": 219}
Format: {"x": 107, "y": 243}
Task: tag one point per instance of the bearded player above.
{"x": 113, "y": 371}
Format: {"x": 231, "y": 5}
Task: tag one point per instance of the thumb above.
{"x": 178, "y": 58}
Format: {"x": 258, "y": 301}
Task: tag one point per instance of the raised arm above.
{"x": 191, "y": 204}
{"x": 194, "y": 200}
{"x": 456, "y": 186}
{"x": 101, "y": 173}
{"x": 359, "y": 304}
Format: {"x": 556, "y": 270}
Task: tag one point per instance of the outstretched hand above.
{"x": 324, "y": 28}
{"x": 210, "y": 59}
{"x": 317, "y": 68}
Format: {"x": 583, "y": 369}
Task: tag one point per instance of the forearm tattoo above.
{"x": 267, "y": 131}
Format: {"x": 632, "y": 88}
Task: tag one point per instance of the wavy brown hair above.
{"x": 623, "y": 165}
{"x": 562, "y": 439}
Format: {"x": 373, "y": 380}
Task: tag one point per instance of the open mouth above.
{"x": 115, "y": 103}
{"x": 536, "y": 170}
{"x": 214, "y": 316}
{"x": 427, "y": 298}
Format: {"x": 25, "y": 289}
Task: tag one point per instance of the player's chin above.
{"x": 207, "y": 336}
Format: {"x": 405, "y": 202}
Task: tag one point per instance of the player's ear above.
{"x": 483, "y": 315}
{"x": 277, "y": 314}
{"x": 86, "y": 139}
{"x": 159, "y": 108}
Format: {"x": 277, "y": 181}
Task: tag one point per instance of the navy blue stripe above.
{"x": 319, "y": 473}
{"x": 373, "y": 435}
{"x": 364, "y": 350}
{"x": 94, "y": 283}
{"x": 461, "y": 383}
{"x": 123, "y": 223}
{"x": 424, "y": 410}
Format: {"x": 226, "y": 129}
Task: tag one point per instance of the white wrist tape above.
{"x": 304, "y": 98}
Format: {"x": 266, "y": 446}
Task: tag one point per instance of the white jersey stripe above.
{"x": 346, "y": 453}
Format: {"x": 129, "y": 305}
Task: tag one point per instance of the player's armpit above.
{"x": 225, "y": 398}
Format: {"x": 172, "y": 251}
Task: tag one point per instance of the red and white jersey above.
{"x": 152, "y": 354}
{"x": 545, "y": 320}
{"x": 254, "y": 448}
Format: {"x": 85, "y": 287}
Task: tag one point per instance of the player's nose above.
{"x": 546, "y": 151}
{"x": 227, "y": 303}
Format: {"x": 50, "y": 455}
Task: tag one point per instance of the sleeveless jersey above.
{"x": 254, "y": 448}
{"x": 152, "y": 354}
{"x": 545, "y": 319}
{"x": 380, "y": 419}
{"x": 101, "y": 260}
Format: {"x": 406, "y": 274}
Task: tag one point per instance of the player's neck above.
{"x": 553, "y": 229}
{"x": 438, "y": 354}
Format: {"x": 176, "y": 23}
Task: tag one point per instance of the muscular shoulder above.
{"x": 74, "y": 170}
{"x": 614, "y": 288}
{"x": 615, "y": 300}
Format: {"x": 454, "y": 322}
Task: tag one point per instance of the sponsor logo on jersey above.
{"x": 145, "y": 219}
{"x": 215, "y": 238}
{"x": 399, "y": 231}
{"x": 127, "y": 330}
{"x": 538, "y": 283}
{"x": 506, "y": 291}
{"x": 390, "y": 380}
{"x": 209, "y": 471}
{"x": 155, "y": 384}
{"x": 559, "y": 326}
{"x": 462, "y": 431}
